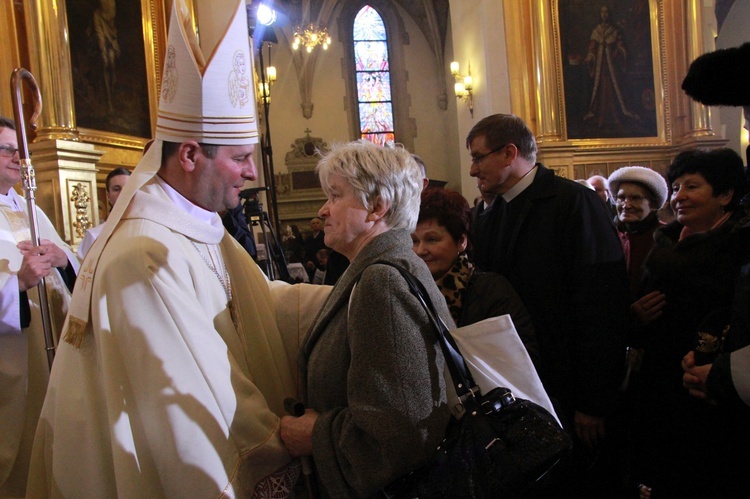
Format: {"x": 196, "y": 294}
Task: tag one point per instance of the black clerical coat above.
{"x": 559, "y": 249}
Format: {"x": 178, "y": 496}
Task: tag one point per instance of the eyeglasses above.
{"x": 7, "y": 151}
{"x": 635, "y": 199}
{"x": 478, "y": 158}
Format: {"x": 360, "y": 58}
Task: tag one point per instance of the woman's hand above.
{"x": 296, "y": 433}
{"x": 649, "y": 307}
{"x": 694, "y": 378}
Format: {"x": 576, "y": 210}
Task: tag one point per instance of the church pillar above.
{"x": 548, "y": 102}
{"x": 700, "y": 115}
{"x": 49, "y": 56}
{"x": 65, "y": 168}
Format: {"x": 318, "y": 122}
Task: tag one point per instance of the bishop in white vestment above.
{"x": 178, "y": 352}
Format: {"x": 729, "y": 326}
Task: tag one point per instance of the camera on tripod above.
{"x": 275, "y": 261}
{"x": 251, "y": 202}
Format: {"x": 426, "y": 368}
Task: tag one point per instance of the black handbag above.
{"x": 503, "y": 446}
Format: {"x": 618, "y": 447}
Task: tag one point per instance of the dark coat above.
{"x": 637, "y": 240}
{"x": 697, "y": 275}
{"x": 564, "y": 259}
{"x": 726, "y": 378}
{"x": 490, "y": 295}
{"x": 313, "y": 244}
{"x": 373, "y": 369}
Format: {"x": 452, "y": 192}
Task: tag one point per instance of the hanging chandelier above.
{"x": 311, "y": 36}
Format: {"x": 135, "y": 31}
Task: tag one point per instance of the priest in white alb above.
{"x": 178, "y": 352}
{"x": 24, "y": 368}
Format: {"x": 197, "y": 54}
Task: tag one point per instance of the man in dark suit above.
{"x": 553, "y": 239}
{"x": 313, "y": 243}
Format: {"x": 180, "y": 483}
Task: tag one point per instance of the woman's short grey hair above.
{"x": 375, "y": 171}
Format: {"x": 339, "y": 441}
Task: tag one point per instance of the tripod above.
{"x": 275, "y": 260}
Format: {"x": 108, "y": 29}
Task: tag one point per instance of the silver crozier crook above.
{"x": 29, "y": 186}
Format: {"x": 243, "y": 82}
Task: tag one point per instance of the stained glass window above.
{"x": 373, "y": 77}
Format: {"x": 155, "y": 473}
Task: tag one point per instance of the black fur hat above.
{"x": 720, "y": 78}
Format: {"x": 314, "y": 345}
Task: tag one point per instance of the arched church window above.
{"x": 373, "y": 77}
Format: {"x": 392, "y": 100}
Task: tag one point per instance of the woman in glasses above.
{"x": 639, "y": 193}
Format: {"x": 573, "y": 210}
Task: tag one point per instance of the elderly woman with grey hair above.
{"x": 371, "y": 366}
{"x": 639, "y": 194}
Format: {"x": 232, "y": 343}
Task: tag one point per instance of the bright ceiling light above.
{"x": 265, "y": 15}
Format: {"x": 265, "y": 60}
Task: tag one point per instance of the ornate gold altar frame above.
{"x": 535, "y": 67}
{"x": 72, "y": 163}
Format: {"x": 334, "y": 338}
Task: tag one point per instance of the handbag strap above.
{"x": 462, "y": 379}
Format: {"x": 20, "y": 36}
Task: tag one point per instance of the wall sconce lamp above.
{"x": 271, "y": 74}
{"x": 264, "y": 91}
{"x": 264, "y": 87}
{"x": 463, "y": 86}
{"x": 264, "y": 84}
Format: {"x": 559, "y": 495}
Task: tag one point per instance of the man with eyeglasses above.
{"x": 554, "y": 241}
{"x": 23, "y": 357}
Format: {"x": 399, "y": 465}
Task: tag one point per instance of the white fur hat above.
{"x": 207, "y": 94}
{"x": 652, "y": 180}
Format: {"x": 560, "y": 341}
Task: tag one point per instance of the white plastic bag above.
{"x": 496, "y": 357}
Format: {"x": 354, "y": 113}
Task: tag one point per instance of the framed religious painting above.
{"x": 610, "y": 61}
{"x": 116, "y": 49}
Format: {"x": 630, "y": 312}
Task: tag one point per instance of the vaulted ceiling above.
{"x": 432, "y": 16}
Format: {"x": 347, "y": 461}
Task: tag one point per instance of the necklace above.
{"x": 223, "y": 280}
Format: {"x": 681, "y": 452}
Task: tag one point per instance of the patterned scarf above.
{"x": 453, "y": 284}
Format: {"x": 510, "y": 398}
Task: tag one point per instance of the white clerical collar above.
{"x": 10, "y": 200}
{"x": 187, "y": 206}
{"x": 521, "y": 186}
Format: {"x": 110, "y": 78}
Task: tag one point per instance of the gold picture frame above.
{"x": 537, "y": 65}
{"x": 136, "y": 48}
{"x": 610, "y": 69}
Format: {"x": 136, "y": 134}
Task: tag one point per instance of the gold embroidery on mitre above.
{"x": 169, "y": 82}
{"x": 239, "y": 83}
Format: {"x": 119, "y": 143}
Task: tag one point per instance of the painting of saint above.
{"x": 608, "y": 74}
{"x": 110, "y": 86}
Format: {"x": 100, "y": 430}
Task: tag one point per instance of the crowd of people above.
{"x": 178, "y": 360}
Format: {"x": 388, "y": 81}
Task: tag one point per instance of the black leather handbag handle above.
{"x": 462, "y": 379}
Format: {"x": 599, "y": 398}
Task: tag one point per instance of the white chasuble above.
{"x": 168, "y": 396}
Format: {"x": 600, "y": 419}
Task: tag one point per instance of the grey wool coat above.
{"x": 376, "y": 376}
